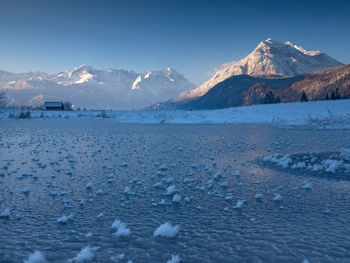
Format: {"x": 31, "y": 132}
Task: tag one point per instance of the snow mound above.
{"x": 277, "y": 197}
{"x": 345, "y": 153}
{"x": 166, "y": 230}
{"x": 177, "y": 198}
{"x": 332, "y": 165}
{"x": 128, "y": 191}
{"x": 36, "y": 257}
{"x": 174, "y": 259}
{"x": 170, "y": 190}
{"x": 85, "y": 255}
{"x": 258, "y": 196}
{"x": 65, "y": 219}
{"x": 122, "y": 230}
{"x": 283, "y": 161}
{"x": 307, "y": 185}
{"x": 6, "y": 213}
{"x": 239, "y": 204}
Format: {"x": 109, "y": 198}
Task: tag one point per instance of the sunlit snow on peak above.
{"x": 84, "y": 77}
{"x": 135, "y": 84}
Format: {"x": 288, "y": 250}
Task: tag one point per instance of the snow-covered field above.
{"x": 319, "y": 114}
{"x": 103, "y": 191}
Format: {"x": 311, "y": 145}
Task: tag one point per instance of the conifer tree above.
{"x": 304, "y": 97}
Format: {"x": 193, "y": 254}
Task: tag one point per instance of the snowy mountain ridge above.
{"x": 88, "y": 87}
{"x": 269, "y": 58}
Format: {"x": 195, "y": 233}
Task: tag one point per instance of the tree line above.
{"x": 270, "y": 97}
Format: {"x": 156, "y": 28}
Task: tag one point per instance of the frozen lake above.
{"x": 194, "y": 176}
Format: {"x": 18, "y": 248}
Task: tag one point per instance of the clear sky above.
{"x": 194, "y": 37}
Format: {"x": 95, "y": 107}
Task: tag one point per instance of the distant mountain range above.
{"x": 273, "y": 68}
{"x": 91, "y": 88}
{"x": 273, "y": 72}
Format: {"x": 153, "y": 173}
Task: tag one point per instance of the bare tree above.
{"x": 2, "y": 100}
{"x": 67, "y": 105}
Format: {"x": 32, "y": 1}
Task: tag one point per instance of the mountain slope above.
{"x": 91, "y": 88}
{"x": 249, "y": 90}
{"x": 269, "y": 58}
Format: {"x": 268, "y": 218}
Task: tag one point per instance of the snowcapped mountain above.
{"x": 240, "y": 90}
{"x": 269, "y": 58}
{"x": 91, "y": 88}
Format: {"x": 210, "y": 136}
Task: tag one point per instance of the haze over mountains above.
{"x": 91, "y": 88}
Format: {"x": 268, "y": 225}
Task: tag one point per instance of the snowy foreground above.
{"x": 320, "y": 114}
{"x": 103, "y": 191}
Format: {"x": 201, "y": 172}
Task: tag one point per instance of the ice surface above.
{"x": 92, "y": 151}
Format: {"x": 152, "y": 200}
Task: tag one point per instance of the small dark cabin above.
{"x": 53, "y": 105}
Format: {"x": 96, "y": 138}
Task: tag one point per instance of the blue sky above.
{"x": 194, "y": 37}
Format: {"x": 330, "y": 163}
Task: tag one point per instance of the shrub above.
{"x": 21, "y": 115}
{"x": 24, "y": 115}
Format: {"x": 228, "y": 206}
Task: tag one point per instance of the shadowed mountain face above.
{"x": 248, "y": 90}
